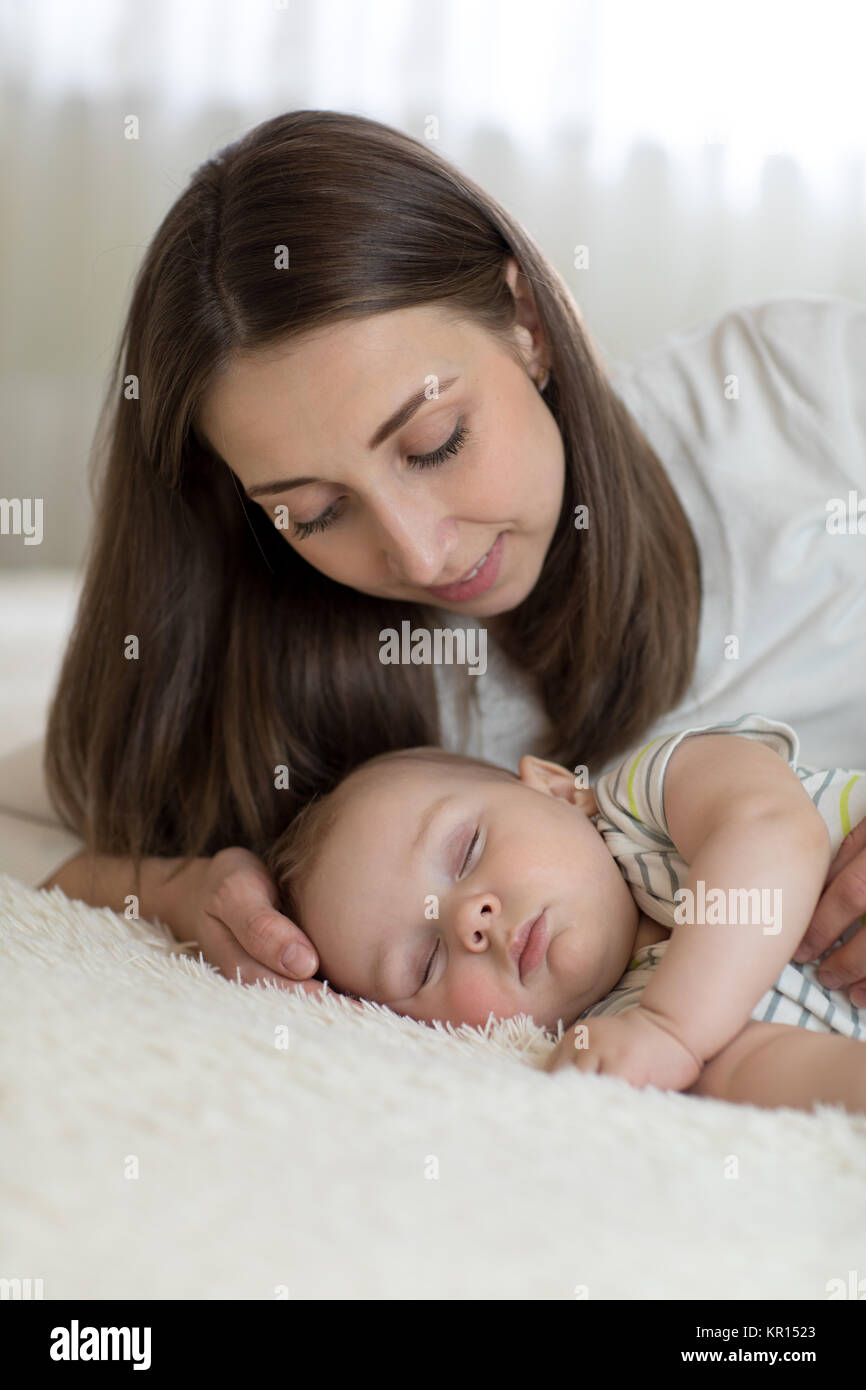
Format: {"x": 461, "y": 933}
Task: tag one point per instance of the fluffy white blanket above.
{"x": 170, "y": 1134}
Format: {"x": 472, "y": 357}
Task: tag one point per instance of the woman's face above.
{"x": 399, "y": 513}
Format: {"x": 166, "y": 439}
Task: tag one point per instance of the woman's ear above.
{"x": 554, "y": 780}
{"x": 528, "y": 330}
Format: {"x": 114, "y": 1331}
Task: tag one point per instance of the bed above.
{"x": 170, "y": 1134}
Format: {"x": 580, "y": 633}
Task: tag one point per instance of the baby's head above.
{"x": 422, "y": 862}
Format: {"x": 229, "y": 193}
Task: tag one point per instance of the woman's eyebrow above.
{"x": 406, "y": 411}
{"x": 391, "y": 425}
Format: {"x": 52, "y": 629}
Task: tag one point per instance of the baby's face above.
{"x": 434, "y": 872}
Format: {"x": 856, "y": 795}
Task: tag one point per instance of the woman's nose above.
{"x": 417, "y": 546}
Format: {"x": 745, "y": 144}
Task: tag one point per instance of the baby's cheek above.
{"x": 473, "y": 999}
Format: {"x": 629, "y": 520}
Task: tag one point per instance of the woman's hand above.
{"x": 228, "y": 906}
{"x": 842, "y": 901}
{"x": 632, "y": 1045}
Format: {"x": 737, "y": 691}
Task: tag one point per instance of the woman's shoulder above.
{"x": 791, "y": 347}
{"x": 774, "y": 388}
{"x": 788, "y": 322}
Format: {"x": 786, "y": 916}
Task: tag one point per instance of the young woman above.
{"x": 348, "y": 380}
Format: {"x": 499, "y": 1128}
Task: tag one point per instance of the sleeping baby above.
{"x": 653, "y": 917}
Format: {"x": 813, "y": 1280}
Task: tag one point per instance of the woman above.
{"x": 348, "y": 380}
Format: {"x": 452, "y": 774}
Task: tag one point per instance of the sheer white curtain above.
{"x": 704, "y": 155}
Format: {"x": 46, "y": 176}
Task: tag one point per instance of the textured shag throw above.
{"x": 171, "y": 1134}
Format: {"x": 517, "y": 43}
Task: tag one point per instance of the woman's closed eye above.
{"x": 466, "y": 859}
{"x": 453, "y": 445}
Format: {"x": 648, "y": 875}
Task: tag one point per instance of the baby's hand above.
{"x": 633, "y": 1045}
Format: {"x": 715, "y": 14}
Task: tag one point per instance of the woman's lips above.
{"x": 480, "y": 582}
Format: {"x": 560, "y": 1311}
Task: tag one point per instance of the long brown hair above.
{"x": 206, "y": 653}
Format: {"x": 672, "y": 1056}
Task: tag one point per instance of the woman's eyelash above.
{"x": 302, "y": 529}
{"x": 451, "y": 446}
{"x": 319, "y": 523}
{"x": 466, "y": 859}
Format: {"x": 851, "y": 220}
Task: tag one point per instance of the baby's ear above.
{"x": 543, "y": 776}
{"x": 584, "y": 797}
{"x": 555, "y": 780}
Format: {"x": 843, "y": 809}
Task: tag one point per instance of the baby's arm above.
{"x": 776, "y": 1064}
{"x": 741, "y": 819}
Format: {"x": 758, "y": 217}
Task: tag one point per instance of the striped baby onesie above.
{"x": 632, "y": 821}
